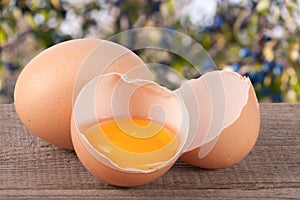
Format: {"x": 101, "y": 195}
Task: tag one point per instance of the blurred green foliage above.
{"x": 259, "y": 39}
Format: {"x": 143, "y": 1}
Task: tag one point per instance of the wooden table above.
{"x": 31, "y": 168}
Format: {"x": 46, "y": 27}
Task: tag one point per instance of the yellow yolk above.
{"x": 133, "y": 143}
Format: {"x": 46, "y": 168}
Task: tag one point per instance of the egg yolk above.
{"x": 133, "y": 143}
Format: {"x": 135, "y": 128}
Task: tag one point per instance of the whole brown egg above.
{"x": 44, "y": 89}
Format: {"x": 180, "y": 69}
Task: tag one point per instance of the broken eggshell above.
{"x": 226, "y": 117}
{"x": 115, "y": 96}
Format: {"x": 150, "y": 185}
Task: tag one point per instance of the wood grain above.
{"x": 32, "y": 169}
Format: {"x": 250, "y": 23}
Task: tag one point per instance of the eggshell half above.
{"x": 44, "y": 90}
{"x": 240, "y": 127}
{"x": 115, "y": 96}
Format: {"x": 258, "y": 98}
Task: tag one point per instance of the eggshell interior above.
{"x": 209, "y": 100}
{"x": 235, "y": 141}
{"x": 240, "y": 127}
{"x": 113, "y": 95}
{"x": 205, "y": 106}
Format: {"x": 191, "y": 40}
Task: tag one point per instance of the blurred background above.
{"x": 260, "y": 39}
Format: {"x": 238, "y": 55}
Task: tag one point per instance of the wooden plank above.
{"x": 51, "y": 168}
{"x": 135, "y": 194}
{"x": 31, "y": 168}
{"x": 280, "y": 125}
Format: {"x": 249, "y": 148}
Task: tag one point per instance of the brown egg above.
{"x": 235, "y": 132}
{"x": 114, "y": 96}
{"x": 44, "y": 90}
